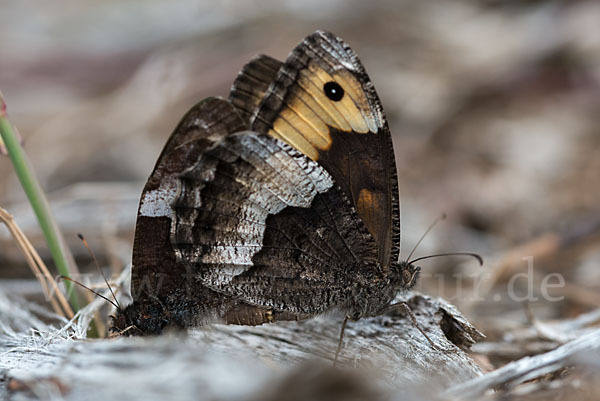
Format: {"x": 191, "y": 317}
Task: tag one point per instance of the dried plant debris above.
{"x": 382, "y": 358}
{"x": 583, "y": 353}
{"x": 224, "y": 361}
{"x": 538, "y": 337}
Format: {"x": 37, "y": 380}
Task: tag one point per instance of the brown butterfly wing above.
{"x": 240, "y": 226}
{"x": 156, "y": 272}
{"x": 197, "y": 249}
{"x": 349, "y": 137}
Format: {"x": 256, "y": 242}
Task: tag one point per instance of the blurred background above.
{"x": 494, "y": 108}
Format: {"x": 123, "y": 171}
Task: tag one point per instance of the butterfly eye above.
{"x": 333, "y": 91}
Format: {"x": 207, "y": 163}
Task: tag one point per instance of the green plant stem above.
{"x": 37, "y": 199}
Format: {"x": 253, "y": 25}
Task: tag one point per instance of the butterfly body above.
{"x": 280, "y": 203}
{"x": 364, "y": 297}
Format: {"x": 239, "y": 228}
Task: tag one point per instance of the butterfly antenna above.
{"x": 89, "y": 289}
{"x": 442, "y": 217}
{"x": 475, "y": 255}
{"x": 101, "y": 272}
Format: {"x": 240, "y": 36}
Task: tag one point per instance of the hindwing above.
{"x": 247, "y": 224}
{"x": 259, "y": 221}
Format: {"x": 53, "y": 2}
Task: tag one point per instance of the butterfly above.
{"x": 279, "y": 203}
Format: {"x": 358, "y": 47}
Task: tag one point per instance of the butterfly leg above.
{"x": 339, "y": 347}
{"x": 412, "y": 317}
{"x": 126, "y": 331}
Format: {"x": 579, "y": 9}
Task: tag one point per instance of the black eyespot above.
{"x": 333, "y": 91}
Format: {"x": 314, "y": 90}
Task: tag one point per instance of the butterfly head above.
{"x": 404, "y": 275}
{"x": 137, "y": 319}
{"x": 376, "y": 300}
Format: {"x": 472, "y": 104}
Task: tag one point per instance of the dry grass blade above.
{"x": 38, "y": 267}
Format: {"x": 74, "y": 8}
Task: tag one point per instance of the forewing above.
{"x": 349, "y": 137}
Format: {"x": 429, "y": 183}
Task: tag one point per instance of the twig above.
{"x": 528, "y": 368}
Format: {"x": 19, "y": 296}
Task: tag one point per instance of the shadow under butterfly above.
{"x": 280, "y": 203}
